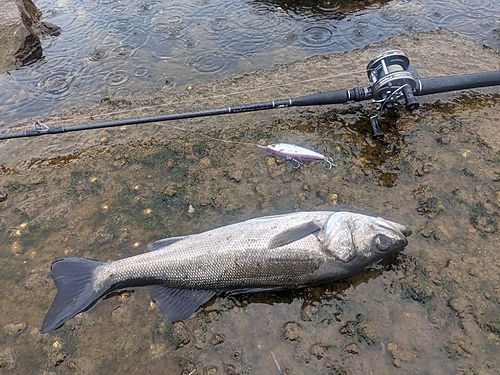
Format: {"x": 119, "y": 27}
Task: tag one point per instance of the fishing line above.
{"x": 394, "y": 84}
{"x": 291, "y": 152}
{"x": 56, "y": 120}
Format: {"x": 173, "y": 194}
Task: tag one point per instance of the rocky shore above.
{"x": 20, "y": 33}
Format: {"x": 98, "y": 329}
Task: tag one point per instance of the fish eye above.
{"x": 382, "y": 242}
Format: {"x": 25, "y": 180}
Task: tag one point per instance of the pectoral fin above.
{"x": 294, "y": 234}
{"x": 178, "y": 304}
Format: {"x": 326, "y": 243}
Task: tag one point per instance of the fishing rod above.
{"x": 394, "y": 83}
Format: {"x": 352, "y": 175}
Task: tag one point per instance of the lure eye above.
{"x": 382, "y": 242}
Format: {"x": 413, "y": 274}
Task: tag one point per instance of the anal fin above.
{"x": 178, "y": 304}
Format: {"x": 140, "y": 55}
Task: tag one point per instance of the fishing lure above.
{"x": 297, "y": 153}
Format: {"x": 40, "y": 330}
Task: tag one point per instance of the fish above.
{"x": 276, "y": 252}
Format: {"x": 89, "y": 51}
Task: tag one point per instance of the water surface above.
{"x": 111, "y": 48}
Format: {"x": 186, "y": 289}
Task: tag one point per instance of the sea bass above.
{"x": 267, "y": 253}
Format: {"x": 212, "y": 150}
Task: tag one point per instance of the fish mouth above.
{"x": 399, "y": 228}
{"x": 400, "y": 244}
{"x": 406, "y": 231}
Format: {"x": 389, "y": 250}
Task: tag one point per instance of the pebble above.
{"x": 291, "y": 331}
{"x": 427, "y": 230}
{"x": 318, "y": 350}
{"x": 308, "y": 312}
{"x": 14, "y": 328}
{"x": 7, "y": 359}
{"x": 351, "y": 348}
{"x": 217, "y": 339}
{"x": 367, "y": 332}
{"x": 181, "y": 333}
{"x": 334, "y": 198}
{"x": 210, "y": 371}
{"x": 400, "y": 355}
{"x": 58, "y": 358}
{"x": 170, "y": 190}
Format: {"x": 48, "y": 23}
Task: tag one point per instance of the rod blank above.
{"x": 425, "y": 86}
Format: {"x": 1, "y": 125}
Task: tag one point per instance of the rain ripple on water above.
{"x": 111, "y": 47}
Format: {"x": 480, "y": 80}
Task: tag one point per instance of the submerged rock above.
{"x": 20, "y": 32}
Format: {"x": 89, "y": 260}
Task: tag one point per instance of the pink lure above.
{"x": 297, "y": 153}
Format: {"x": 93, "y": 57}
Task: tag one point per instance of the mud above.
{"x": 432, "y": 309}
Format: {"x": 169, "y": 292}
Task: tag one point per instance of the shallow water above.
{"x": 111, "y": 48}
{"x": 433, "y": 309}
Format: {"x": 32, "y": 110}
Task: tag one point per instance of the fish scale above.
{"x": 176, "y": 263}
{"x": 268, "y": 253}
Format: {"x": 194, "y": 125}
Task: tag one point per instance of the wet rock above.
{"x": 482, "y": 220}
{"x": 7, "y": 359}
{"x": 368, "y": 332}
{"x": 425, "y": 168}
{"x": 236, "y": 175}
{"x": 15, "y": 328}
{"x": 351, "y": 348}
{"x": 456, "y": 348}
{"x": 170, "y": 190}
{"x": 56, "y": 359}
{"x": 334, "y": 198}
{"x": 291, "y": 331}
{"x": 415, "y": 292}
{"x": 334, "y": 367}
{"x": 349, "y": 328}
{"x": 20, "y": 32}
{"x": 181, "y": 334}
{"x": 318, "y": 350}
{"x": 199, "y": 338}
{"x": 439, "y": 316}
{"x": 427, "y": 230}
{"x": 308, "y": 311}
{"x": 459, "y": 305}
{"x": 365, "y": 330}
{"x": 189, "y": 368}
{"x": 210, "y": 371}
{"x": 429, "y": 204}
{"x": 217, "y": 339}
{"x": 400, "y": 355}
{"x": 231, "y": 370}
{"x": 205, "y": 162}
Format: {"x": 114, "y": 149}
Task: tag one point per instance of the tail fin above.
{"x": 75, "y": 293}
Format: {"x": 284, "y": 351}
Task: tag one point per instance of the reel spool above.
{"x": 393, "y": 80}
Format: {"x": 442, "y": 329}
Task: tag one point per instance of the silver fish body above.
{"x": 267, "y": 253}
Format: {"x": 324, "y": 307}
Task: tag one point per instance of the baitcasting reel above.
{"x": 393, "y": 81}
